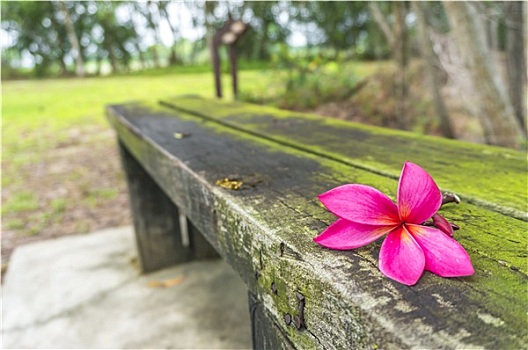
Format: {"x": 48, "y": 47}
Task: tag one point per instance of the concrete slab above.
{"x": 86, "y": 292}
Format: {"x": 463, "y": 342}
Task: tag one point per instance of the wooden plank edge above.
{"x": 509, "y": 211}
{"x": 248, "y": 221}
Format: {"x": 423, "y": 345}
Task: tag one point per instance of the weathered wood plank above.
{"x": 488, "y": 176}
{"x": 156, "y": 222}
{"x": 265, "y": 334}
{"x": 265, "y": 230}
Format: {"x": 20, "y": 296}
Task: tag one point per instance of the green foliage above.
{"x": 109, "y": 32}
{"x": 305, "y": 82}
{"x": 378, "y": 104}
{"x": 340, "y": 22}
{"x": 21, "y": 201}
{"x": 35, "y": 26}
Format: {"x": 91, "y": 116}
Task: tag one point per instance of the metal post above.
{"x": 229, "y": 34}
{"x": 233, "y": 63}
{"x": 216, "y": 67}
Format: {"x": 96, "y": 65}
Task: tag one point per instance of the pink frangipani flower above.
{"x": 365, "y": 214}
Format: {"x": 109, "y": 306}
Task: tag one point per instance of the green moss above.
{"x": 252, "y": 226}
{"x": 265, "y": 269}
{"x": 487, "y": 176}
{"x": 480, "y": 228}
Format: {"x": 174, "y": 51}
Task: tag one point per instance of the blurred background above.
{"x": 450, "y": 69}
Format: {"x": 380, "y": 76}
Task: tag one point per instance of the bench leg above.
{"x": 163, "y": 237}
{"x": 265, "y": 334}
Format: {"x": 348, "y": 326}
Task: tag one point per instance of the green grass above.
{"x": 68, "y": 102}
{"x": 42, "y": 118}
{"x": 95, "y": 196}
{"x": 21, "y": 201}
{"x": 47, "y": 186}
{"x": 307, "y": 85}
{"x": 34, "y": 106}
{"x": 38, "y": 115}
{"x": 15, "y": 224}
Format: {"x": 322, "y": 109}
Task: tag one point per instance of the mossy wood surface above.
{"x": 488, "y": 176}
{"x": 264, "y": 230}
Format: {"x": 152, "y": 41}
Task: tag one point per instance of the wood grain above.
{"x": 487, "y": 176}
{"x": 264, "y": 230}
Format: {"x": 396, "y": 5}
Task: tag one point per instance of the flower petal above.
{"x": 418, "y": 195}
{"x": 344, "y": 234}
{"x": 443, "y": 225}
{"x": 444, "y": 256}
{"x": 361, "y": 204}
{"x": 401, "y": 258}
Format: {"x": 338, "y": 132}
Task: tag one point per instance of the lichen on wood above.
{"x": 487, "y": 176}
{"x": 265, "y": 233}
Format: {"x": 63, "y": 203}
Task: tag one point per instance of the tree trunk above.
{"x": 112, "y": 57}
{"x": 398, "y": 42}
{"x": 74, "y": 41}
{"x": 381, "y": 22}
{"x": 99, "y": 61}
{"x": 497, "y": 117}
{"x": 151, "y": 23}
{"x": 209, "y": 9}
{"x": 492, "y": 30}
{"x": 63, "y": 67}
{"x": 263, "y": 42}
{"x": 401, "y": 56}
{"x": 142, "y": 60}
{"x": 162, "y": 7}
{"x": 63, "y": 53}
{"x": 516, "y": 59}
{"x": 434, "y": 81}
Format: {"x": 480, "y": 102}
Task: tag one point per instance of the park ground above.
{"x": 60, "y": 167}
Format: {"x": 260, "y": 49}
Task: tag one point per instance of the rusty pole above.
{"x": 233, "y": 63}
{"x": 216, "y": 67}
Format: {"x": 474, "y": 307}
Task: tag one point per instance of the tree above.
{"x": 379, "y": 18}
{"x": 516, "y": 58}
{"x": 341, "y": 25}
{"x": 147, "y": 10}
{"x": 494, "y": 109}
{"x": 398, "y": 40}
{"x": 263, "y": 12}
{"x": 34, "y": 24}
{"x": 162, "y": 9}
{"x": 401, "y": 56}
{"x": 429, "y": 57}
{"x": 74, "y": 41}
{"x": 112, "y": 43}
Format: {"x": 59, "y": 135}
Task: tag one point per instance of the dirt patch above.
{"x": 76, "y": 187}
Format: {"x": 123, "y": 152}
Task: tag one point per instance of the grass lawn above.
{"x": 37, "y": 114}
{"x": 60, "y": 168}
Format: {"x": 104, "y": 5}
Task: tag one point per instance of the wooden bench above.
{"x": 208, "y": 177}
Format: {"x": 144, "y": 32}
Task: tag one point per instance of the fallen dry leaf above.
{"x": 166, "y": 283}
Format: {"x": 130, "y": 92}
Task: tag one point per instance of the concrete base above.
{"x": 86, "y": 292}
